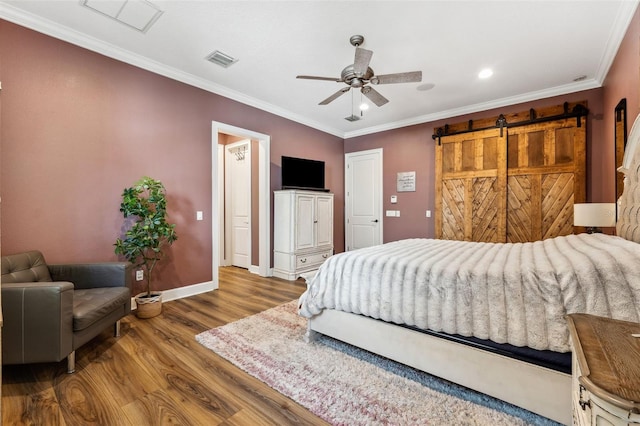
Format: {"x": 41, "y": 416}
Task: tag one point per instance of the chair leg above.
{"x": 116, "y": 329}
{"x": 71, "y": 362}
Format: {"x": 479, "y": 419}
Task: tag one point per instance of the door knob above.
{"x": 375, "y": 220}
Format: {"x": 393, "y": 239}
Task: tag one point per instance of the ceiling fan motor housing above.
{"x": 350, "y": 77}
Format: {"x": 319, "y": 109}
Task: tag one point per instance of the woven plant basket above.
{"x": 148, "y": 306}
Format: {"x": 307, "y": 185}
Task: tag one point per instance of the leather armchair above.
{"x": 50, "y": 311}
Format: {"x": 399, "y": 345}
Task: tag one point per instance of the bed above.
{"x": 488, "y": 316}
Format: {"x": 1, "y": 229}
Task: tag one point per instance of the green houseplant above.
{"x": 144, "y": 241}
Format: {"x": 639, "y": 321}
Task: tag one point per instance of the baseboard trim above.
{"x": 182, "y": 292}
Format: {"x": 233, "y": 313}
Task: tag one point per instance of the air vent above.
{"x": 352, "y": 118}
{"x": 221, "y": 59}
{"x": 137, "y": 14}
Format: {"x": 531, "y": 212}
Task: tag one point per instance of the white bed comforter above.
{"x": 507, "y": 293}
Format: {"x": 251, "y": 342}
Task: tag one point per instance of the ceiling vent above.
{"x": 137, "y": 14}
{"x": 221, "y": 59}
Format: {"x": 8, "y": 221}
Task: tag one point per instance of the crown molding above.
{"x": 625, "y": 14}
{"x": 484, "y": 106}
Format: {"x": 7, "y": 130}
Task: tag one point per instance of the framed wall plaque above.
{"x": 406, "y": 182}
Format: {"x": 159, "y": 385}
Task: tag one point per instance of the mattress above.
{"x": 516, "y": 294}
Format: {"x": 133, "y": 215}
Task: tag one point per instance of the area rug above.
{"x": 345, "y": 385}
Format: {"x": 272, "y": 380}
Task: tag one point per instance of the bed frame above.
{"x": 538, "y": 389}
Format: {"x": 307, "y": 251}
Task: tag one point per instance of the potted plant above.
{"x": 143, "y": 243}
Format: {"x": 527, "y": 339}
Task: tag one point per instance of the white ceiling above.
{"x": 536, "y": 49}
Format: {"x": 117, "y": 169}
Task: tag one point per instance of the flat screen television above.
{"x": 300, "y": 173}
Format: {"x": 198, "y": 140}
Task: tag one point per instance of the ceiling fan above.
{"x": 360, "y": 75}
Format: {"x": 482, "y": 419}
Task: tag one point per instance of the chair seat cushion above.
{"x": 91, "y": 305}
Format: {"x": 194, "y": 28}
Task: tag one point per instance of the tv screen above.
{"x": 300, "y": 173}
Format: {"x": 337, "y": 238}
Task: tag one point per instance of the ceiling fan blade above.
{"x": 402, "y": 77}
{"x": 335, "y": 96}
{"x": 313, "y": 77}
{"x": 374, "y": 96}
{"x": 361, "y": 61}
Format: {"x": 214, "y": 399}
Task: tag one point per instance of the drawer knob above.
{"x": 303, "y": 260}
{"x": 324, "y": 256}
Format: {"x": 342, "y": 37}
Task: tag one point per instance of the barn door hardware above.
{"x": 577, "y": 112}
{"x": 501, "y": 123}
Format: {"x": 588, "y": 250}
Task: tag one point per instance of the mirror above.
{"x": 620, "y": 142}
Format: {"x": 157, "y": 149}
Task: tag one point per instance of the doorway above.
{"x": 263, "y": 267}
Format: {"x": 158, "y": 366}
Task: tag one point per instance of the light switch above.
{"x": 199, "y": 215}
{"x": 428, "y": 213}
{"x": 397, "y": 213}
{"x": 390, "y": 213}
{"x": 394, "y": 199}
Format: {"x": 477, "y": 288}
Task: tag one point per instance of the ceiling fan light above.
{"x": 364, "y": 106}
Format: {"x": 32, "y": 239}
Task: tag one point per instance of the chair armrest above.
{"x": 92, "y": 275}
{"x": 38, "y": 322}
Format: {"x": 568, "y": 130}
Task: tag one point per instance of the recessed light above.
{"x": 425, "y": 87}
{"x": 485, "y": 73}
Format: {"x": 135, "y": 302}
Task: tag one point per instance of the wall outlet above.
{"x": 139, "y": 275}
{"x": 428, "y": 213}
{"x": 199, "y": 215}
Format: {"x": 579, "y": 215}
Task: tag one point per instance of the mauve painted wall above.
{"x": 412, "y": 149}
{"x": 623, "y": 81}
{"x": 78, "y": 127}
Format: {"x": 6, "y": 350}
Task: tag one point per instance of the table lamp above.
{"x": 594, "y": 216}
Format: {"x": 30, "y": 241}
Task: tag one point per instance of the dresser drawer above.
{"x": 304, "y": 261}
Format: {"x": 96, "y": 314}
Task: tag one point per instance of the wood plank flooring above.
{"x": 156, "y": 373}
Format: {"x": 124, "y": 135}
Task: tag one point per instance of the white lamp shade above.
{"x": 594, "y": 214}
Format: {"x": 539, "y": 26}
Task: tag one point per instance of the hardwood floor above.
{"x": 156, "y": 373}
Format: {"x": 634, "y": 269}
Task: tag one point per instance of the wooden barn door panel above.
{"x": 557, "y": 204}
{"x": 546, "y": 175}
{"x": 471, "y": 186}
{"x": 452, "y": 201}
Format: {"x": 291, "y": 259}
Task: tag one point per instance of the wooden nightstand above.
{"x": 606, "y": 370}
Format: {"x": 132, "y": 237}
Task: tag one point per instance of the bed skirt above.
{"x": 542, "y": 390}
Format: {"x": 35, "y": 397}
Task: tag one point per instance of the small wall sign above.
{"x": 406, "y": 182}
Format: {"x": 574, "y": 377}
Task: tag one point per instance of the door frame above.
{"x": 380, "y": 185}
{"x": 264, "y": 198}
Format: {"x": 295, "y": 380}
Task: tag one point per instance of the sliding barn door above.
{"x": 546, "y": 176}
{"x": 471, "y": 181}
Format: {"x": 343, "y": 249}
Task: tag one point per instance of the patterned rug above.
{"x": 345, "y": 385}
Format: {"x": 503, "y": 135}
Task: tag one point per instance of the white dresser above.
{"x": 303, "y": 231}
{"x": 606, "y": 371}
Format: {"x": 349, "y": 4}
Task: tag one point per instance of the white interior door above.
{"x": 238, "y": 203}
{"x": 363, "y": 194}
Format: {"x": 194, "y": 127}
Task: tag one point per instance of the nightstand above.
{"x": 606, "y": 370}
